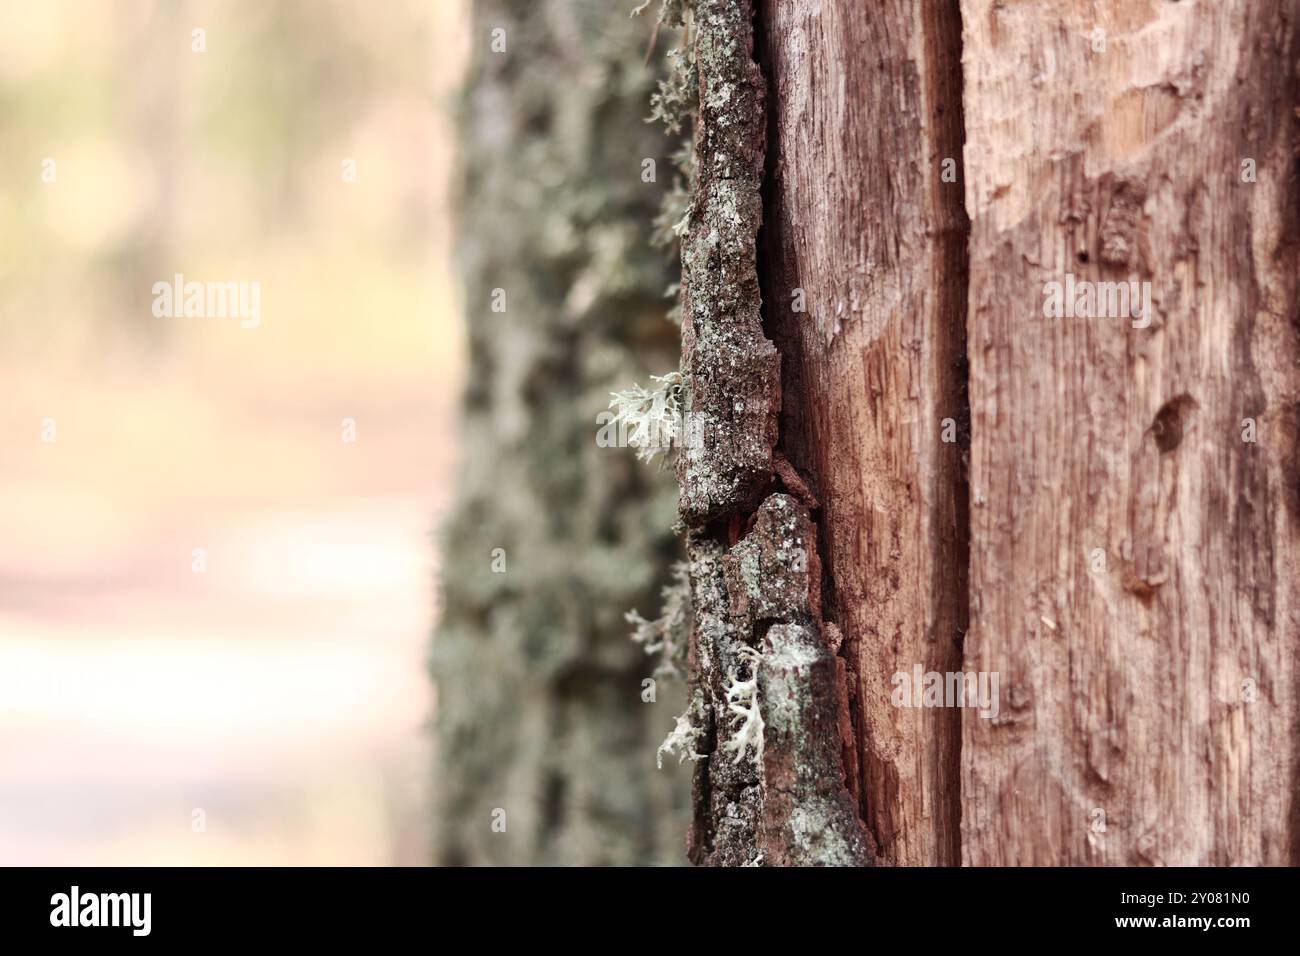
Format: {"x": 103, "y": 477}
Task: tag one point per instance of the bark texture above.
{"x": 1133, "y": 567}
{"x": 755, "y": 571}
{"x": 896, "y": 461}
{"x": 539, "y": 707}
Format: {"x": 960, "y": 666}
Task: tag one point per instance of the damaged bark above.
{"x": 766, "y": 689}
{"x": 733, "y": 371}
{"x": 758, "y": 626}
{"x": 863, "y": 268}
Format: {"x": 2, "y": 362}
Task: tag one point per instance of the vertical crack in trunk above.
{"x": 864, "y": 276}
{"x": 943, "y": 83}
{"x": 776, "y": 658}
{"x": 765, "y": 685}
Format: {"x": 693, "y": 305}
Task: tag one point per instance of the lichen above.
{"x": 808, "y": 817}
{"x": 768, "y": 571}
{"x": 742, "y": 701}
{"x": 652, "y": 417}
{"x": 668, "y": 634}
{"x": 685, "y": 737}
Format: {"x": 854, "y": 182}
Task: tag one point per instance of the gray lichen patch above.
{"x": 732, "y": 370}
{"x": 808, "y": 817}
{"x": 768, "y": 570}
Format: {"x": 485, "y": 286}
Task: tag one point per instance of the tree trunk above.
{"x": 545, "y": 731}
{"x": 1108, "y": 503}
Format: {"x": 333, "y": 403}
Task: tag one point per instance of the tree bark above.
{"x": 544, "y": 736}
{"x": 1097, "y": 514}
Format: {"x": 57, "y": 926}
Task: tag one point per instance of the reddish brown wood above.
{"x": 866, "y": 107}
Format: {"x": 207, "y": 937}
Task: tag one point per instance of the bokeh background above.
{"x": 283, "y": 691}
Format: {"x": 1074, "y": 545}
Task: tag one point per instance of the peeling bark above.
{"x": 764, "y": 595}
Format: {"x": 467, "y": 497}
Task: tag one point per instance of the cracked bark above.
{"x": 862, "y": 228}
{"x": 761, "y": 591}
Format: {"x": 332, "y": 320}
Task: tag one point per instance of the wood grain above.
{"x": 1133, "y": 569}
{"x": 866, "y": 105}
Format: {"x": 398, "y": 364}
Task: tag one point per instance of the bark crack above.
{"x": 755, "y": 566}
{"x": 942, "y": 38}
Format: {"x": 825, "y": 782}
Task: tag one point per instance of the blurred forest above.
{"x": 282, "y": 692}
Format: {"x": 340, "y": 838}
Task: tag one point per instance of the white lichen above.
{"x": 683, "y": 740}
{"x": 675, "y": 101}
{"x": 667, "y": 634}
{"x": 742, "y": 702}
{"x": 652, "y": 417}
{"x": 671, "y": 12}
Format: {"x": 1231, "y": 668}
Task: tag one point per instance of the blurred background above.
{"x": 264, "y": 700}
{"x": 350, "y": 586}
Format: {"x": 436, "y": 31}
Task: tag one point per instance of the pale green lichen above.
{"x": 668, "y": 634}
{"x": 810, "y": 817}
{"x": 685, "y": 737}
{"x": 674, "y": 212}
{"x": 652, "y": 416}
{"x": 672, "y": 13}
{"x": 819, "y": 836}
{"x": 742, "y": 702}
{"x": 791, "y": 655}
{"x": 675, "y": 100}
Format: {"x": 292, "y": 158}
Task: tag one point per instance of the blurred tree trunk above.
{"x": 540, "y": 725}
{"x": 1099, "y": 511}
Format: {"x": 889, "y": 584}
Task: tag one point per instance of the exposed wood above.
{"x": 1133, "y": 569}
{"x": 861, "y": 229}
